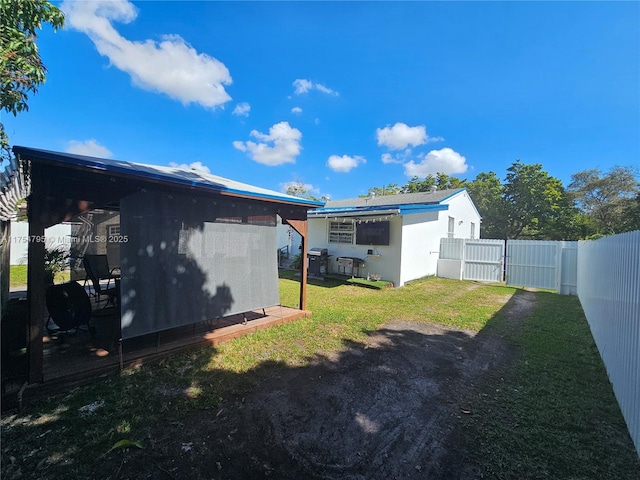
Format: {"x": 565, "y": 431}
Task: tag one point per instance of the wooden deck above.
{"x": 76, "y": 358}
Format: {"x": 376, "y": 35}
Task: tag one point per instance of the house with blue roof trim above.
{"x": 394, "y": 237}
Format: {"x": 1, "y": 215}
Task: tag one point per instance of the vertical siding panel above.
{"x": 532, "y": 263}
{"x": 483, "y": 260}
{"x": 609, "y": 290}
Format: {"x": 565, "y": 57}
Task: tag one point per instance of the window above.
{"x": 452, "y": 222}
{"x": 341, "y": 232}
{"x": 473, "y": 230}
{"x": 114, "y": 230}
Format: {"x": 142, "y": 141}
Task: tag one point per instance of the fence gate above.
{"x": 484, "y": 260}
{"x": 550, "y": 265}
{"x": 471, "y": 259}
{"x": 532, "y": 263}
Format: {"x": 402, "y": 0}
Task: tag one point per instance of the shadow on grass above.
{"x": 327, "y": 282}
{"x": 396, "y": 405}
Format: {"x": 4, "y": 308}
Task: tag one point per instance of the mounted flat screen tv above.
{"x": 372, "y": 233}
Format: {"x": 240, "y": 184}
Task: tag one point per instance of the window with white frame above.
{"x": 341, "y": 232}
{"x": 452, "y": 222}
{"x": 473, "y": 230}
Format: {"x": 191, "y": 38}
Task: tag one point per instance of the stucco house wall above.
{"x": 421, "y": 235}
{"x": 464, "y": 212}
{"x": 384, "y": 259}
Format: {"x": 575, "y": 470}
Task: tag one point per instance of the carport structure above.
{"x": 194, "y": 246}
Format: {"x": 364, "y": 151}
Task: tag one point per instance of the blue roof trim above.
{"x": 453, "y": 194}
{"x": 406, "y": 209}
{"x": 411, "y": 209}
{"x": 145, "y": 171}
{"x": 324, "y": 211}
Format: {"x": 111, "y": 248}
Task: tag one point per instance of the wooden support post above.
{"x": 36, "y": 289}
{"x": 301, "y": 226}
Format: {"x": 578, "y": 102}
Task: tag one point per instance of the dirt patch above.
{"x": 384, "y": 409}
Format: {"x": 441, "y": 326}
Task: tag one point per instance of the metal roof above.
{"x": 401, "y": 204}
{"x": 176, "y": 176}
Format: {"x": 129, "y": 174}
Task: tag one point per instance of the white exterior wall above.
{"x": 384, "y": 262}
{"x": 421, "y": 235}
{"x": 55, "y": 236}
{"x": 462, "y": 209}
{"x": 414, "y": 241}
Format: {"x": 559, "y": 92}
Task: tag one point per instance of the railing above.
{"x": 283, "y": 252}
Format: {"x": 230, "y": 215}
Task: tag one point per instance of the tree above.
{"x": 298, "y": 189}
{"x": 532, "y": 198}
{"x": 609, "y": 200}
{"x": 486, "y": 193}
{"x": 529, "y": 204}
{"x": 632, "y": 215}
{"x": 390, "y": 189}
{"x": 21, "y": 68}
{"x": 441, "y": 180}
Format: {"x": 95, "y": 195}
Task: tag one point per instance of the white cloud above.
{"x": 242, "y": 109}
{"x": 388, "y": 158}
{"x": 196, "y": 166}
{"x": 326, "y": 90}
{"x": 398, "y": 157}
{"x": 296, "y": 110}
{"x": 344, "y": 163}
{"x": 171, "y": 66}
{"x": 281, "y": 145}
{"x": 91, "y": 148}
{"x": 444, "y": 160}
{"x": 401, "y": 136}
{"x": 303, "y": 85}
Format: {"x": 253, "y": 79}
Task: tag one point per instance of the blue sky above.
{"x": 342, "y": 96}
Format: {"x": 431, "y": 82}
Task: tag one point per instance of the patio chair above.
{"x": 97, "y": 269}
{"x": 69, "y": 307}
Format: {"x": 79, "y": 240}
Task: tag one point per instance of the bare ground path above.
{"x": 388, "y": 408}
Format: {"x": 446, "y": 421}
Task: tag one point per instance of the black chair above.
{"x": 97, "y": 269}
{"x": 69, "y": 307}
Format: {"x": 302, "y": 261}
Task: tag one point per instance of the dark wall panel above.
{"x": 182, "y": 263}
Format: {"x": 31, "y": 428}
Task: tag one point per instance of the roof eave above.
{"x": 407, "y": 209}
{"x": 86, "y": 163}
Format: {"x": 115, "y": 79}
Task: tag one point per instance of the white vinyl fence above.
{"x": 609, "y": 291}
{"x": 528, "y": 263}
{"x": 543, "y": 264}
{"x": 471, "y": 259}
{"x": 605, "y": 274}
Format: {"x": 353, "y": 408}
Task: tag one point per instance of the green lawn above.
{"x": 18, "y": 276}
{"x": 554, "y": 414}
{"x": 551, "y": 415}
